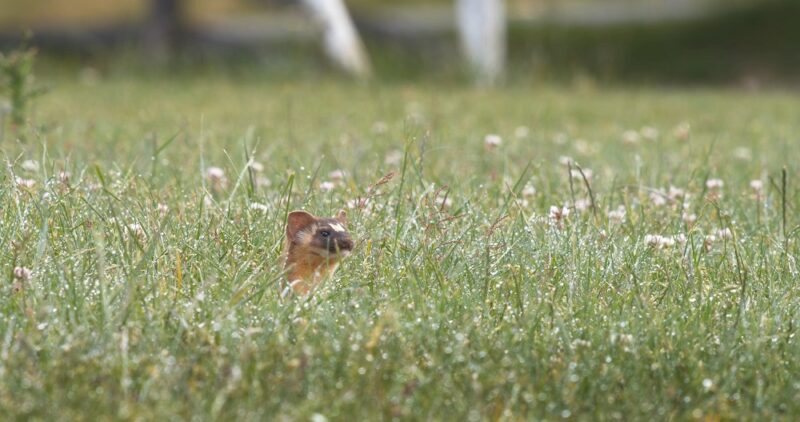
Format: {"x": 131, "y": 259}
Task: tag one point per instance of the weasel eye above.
{"x": 324, "y": 233}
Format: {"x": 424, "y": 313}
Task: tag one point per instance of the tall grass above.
{"x": 153, "y": 289}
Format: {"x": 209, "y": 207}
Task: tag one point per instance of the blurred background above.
{"x": 746, "y": 43}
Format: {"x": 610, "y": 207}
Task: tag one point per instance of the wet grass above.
{"x": 152, "y": 289}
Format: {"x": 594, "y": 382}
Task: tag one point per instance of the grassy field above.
{"x": 136, "y": 287}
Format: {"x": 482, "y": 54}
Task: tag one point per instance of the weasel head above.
{"x": 326, "y": 237}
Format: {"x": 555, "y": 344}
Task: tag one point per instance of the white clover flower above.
{"x": 682, "y": 131}
{"x": 715, "y": 183}
{"x": 22, "y": 273}
{"x": 528, "y": 191}
{"x": 263, "y": 182}
{"x": 631, "y": 137}
{"x": 658, "y": 198}
{"x": 649, "y": 133}
{"x": 617, "y": 216}
{"x": 256, "y": 167}
{"x": 492, "y": 141}
{"x": 163, "y": 209}
{"x": 757, "y": 185}
{"x": 444, "y": 201}
{"x": 216, "y": 176}
{"x": 576, "y": 174}
{"x": 380, "y": 127}
{"x": 25, "y": 183}
{"x": 725, "y": 233}
{"x": 743, "y": 153}
{"x": 689, "y": 218}
{"x": 30, "y": 165}
{"x": 336, "y": 175}
{"x": 675, "y": 193}
{"x": 327, "y": 186}
{"x": 659, "y": 242}
{"x": 255, "y": 206}
{"x": 582, "y": 204}
{"x": 558, "y": 215}
{"x": 393, "y": 157}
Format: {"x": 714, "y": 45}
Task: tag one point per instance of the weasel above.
{"x": 313, "y": 249}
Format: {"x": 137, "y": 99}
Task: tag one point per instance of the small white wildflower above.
{"x": 565, "y": 160}
{"x": 336, "y": 175}
{"x": 558, "y": 215}
{"x": 582, "y": 204}
{"x": 357, "y": 203}
{"x": 492, "y": 141}
{"x": 216, "y": 176}
{"x": 715, "y": 183}
{"x": 682, "y": 131}
{"x": 30, "y": 165}
{"x": 689, "y": 218}
{"x": 163, "y": 209}
{"x": 263, "y": 182}
{"x": 631, "y": 137}
{"x": 708, "y": 241}
{"x": 528, "y": 191}
{"x": 255, "y": 206}
{"x": 380, "y": 127}
{"x": 576, "y": 174}
{"x": 22, "y": 273}
{"x": 658, "y": 198}
{"x": 649, "y": 133}
{"x": 393, "y": 157}
{"x": 658, "y": 241}
{"x": 256, "y": 167}
{"x": 708, "y": 384}
{"x": 327, "y": 186}
{"x": 617, "y": 216}
{"x": 25, "y": 183}
{"x": 675, "y": 193}
{"x": 757, "y": 185}
{"x": 63, "y": 176}
{"x": 521, "y": 132}
{"x": 444, "y": 201}
{"x": 725, "y": 233}
{"x": 680, "y": 238}
{"x": 742, "y": 153}
{"x": 136, "y": 230}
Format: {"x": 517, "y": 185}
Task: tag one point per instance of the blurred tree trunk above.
{"x": 163, "y": 28}
{"x": 340, "y": 37}
{"x": 482, "y": 30}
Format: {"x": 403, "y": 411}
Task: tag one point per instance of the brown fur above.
{"x": 309, "y": 256}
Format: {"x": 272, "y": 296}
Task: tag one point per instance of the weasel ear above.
{"x": 342, "y": 217}
{"x": 296, "y": 221}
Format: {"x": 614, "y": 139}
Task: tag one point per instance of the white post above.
{"x": 482, "y": 29}
{"x": 342, "y": 43}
